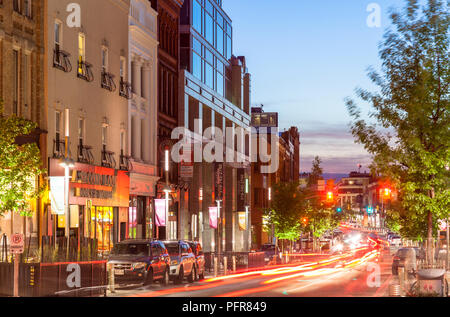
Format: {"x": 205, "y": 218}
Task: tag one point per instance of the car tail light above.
{"x": 396, "y": 258}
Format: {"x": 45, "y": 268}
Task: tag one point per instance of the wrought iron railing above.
{"x": 108, "y": 82}
{"x": 85, "y": 154}
{"x": 125, "y": 89}
{"x": 108, "y": 159}
{"x": 61, "y": 60}
{"x": 85, "y": 71}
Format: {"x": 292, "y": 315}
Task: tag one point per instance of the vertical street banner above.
{"x": 242, "y": 221}
{"x": 187, "y": 163}
{"x": 213, "y": 217}
{"x": 160, "y": 212}
{"x": 218, "y": 181}
{"x": 240, "y": 189}
{"x": 57, "y": 195}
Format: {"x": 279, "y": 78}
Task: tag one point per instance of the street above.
{"x": 346, "y": 275}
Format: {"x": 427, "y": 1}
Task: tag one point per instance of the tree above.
{"x": 285, "y": 211}
{"x": 316, "y": 172}
{"x": 411, "y": 107}
{"x": 19, "y": 165}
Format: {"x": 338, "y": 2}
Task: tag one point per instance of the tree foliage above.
{"x": 410, "y": 145}
{"x": 19, "y": 166}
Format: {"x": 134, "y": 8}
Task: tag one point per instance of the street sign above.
{"x": 17, "y": 243}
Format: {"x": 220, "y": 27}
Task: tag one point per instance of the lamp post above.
{"x": 167, "y": 190}
{"x": 67, "y": 163}
{"x": 219, "y": 223}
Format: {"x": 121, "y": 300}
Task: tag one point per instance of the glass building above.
{"x": 207, "y": 44}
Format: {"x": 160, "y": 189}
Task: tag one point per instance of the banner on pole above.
{"x": 213, "y": 217}
{"x": 160, "y": 212}
{"x": 57, "y": 195}
{"x": 242, "y": 221}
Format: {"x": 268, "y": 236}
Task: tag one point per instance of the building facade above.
{"x": 87, "y": 103}
{"x": 214, "y": 93}
{"x": 168, "y": 108}
{"x": 142, "y": 118}
{"x": 22, "y": 90}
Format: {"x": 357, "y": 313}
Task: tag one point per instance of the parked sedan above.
{"x": 139, "y": 261}
{"x": 182, "y": 261}
{"x": 199, "y": 259}
{"x": 269, "y": 252}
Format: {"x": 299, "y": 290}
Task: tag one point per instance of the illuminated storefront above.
{"x": 99, "y": 201}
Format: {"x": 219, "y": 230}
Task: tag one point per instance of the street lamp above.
{"x": 219, "y": 220}
{"x": 67, "y": 163}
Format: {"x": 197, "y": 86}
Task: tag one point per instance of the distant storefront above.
{"x": 99, "y": 204}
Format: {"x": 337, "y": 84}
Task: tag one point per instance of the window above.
{"x": 197, "y": 66}
{"x": 209, "y": 29}
{"x": 209, "y": 75}
{"x": 104, "y": 136}
{"x": 197, "y": 16}
{"x": 104, "y": 59}
{"x": 123, "y": 68}
{"x": 27, "y": 6}
{"x": 58, "y": 125}
{"x": 220, "y": 45}
{"x": 16, "y": 5}
{"x": 122, "y": 142}
{"x": 58, "y": 35}
{"x": 81, "y": 127}
{"x": 26, "y": 81}
{"x": 16, "y": 82}
{"x": 229, "y": 48}
{"x": 81, "y": 52}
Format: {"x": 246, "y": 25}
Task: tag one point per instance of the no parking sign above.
{"x": 17, "y": 243}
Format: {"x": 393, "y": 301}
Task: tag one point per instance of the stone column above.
{"x": 136, "y": 138}
{"x": 136, "y": 76}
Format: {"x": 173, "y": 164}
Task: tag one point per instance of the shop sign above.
{"x": 160, "y": 212}
{"x": 213, "y": 217}
{"x": 187, "y": 164}
{"x": 241, "y": 189}
{"x": 218, "y": 181}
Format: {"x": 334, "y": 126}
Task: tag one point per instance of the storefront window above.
{"x": 99, "y": 226}
{"x": 132, "y": 218}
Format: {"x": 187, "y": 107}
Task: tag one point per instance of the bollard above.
{"x": 215, "y": 266}
{"x": 401, "y": 278}
{"x": 112, "y": 287}
{"x": 225, "y": 265}
{"x": 233, "y": 259}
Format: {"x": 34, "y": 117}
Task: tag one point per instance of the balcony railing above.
{"x": 61, "y": 60}
{"x": 85, "y": 71}
{"x": 59, "y": 149}
{"x": 108, "y": 82}
{"x": 108, "y": 159}
{"x": 125, "y": 89}
{"x": 125, "y": 163}
{"x": 85, "y": 154}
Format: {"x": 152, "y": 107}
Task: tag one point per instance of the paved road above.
{"x": 350, "y": 276}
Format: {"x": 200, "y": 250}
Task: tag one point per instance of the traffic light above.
{"x": 369, "y": 210}
{"x": 387, "y": 192}
{"x": 330, "y": 196}
{"x": 305, "y": 221}
{"x": 339, "y": 209}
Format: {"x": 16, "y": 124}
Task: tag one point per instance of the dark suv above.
{"x": 139, "y": 261}
{"x": 199, "y": 258}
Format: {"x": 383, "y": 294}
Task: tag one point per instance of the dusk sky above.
{"x": 305, "y": 58}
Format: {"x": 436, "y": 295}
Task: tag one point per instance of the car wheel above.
{"x": 149, "y": 279}
{"x": 191, "y": 277}
{"x": 166, "y": 278}
{"x": 201, "y": 276}
{"x": 180, "y": 276}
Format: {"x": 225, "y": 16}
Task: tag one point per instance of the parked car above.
{"x": 199, "y": 259}
{"x": 270, "y": 251}
{"x": 139, "y": 261}
{"x": 182, "y": 261}
{"x": 400, "y": 257}
{"x": 395, "y": 240}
